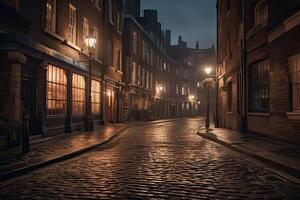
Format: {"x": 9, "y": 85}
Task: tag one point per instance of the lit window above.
{"x": 133, "y": 73}
{"x": 110, "y": 11}
{"x": 119, "y": 65}
{"x": 295, "y": 74}
{"x": 72, "y": 24}
{"x": 259, "y": 87}
{"x": 134, "y": 42}
{"x": 78, "y": 92}
{"x": 56, "y": 91}
{"x": 96, "y": 96}
{"x": 261, "y": 13}
{"x": 139, "y": 77}
{"x": 51, "y": 15}
{"x": 147, "y": 79}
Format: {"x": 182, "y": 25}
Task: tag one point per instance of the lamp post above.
{"x": 207, "y": 84}
{"x": 90, "y": 42}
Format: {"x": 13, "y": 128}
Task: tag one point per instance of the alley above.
{"x": 159, "y": 161}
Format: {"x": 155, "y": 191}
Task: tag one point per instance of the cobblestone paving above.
{"x": 162, "y": 161}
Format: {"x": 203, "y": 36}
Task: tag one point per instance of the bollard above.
{"x": 25, "y": 133}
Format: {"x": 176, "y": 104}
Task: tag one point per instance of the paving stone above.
{"x": 159, "y": 161}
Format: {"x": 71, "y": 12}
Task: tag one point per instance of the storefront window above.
{"x": 56, "y": 91}
{"x": 95, "y": 92}
{"x": 78, "y": 91}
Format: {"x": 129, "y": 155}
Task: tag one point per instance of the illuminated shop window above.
{"x": 78, "y": 92}
{"x": 56, "y": 91}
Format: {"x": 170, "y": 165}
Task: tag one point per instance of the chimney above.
{"x": 168, "y": 37}
{"x": 197, "y": 45}
{"x": 151, "y": 14}
{"x": 133, "y": 7}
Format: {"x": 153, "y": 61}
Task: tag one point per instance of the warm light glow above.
{"x": 90, "y": 41}
{"x": 208, "y": 70}
{"x": 199, "y": 102}
{"x": 191, "y": 97}
{"x": 108, "y": 93}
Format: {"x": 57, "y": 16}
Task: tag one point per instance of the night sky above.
{"x": 195, "y": 20}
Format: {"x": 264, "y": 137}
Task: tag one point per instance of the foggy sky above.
{"x": 195, "y": 20}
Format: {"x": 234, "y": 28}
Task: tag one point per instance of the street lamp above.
{"x": 90, "y": 42}
{"x": 207, "y": 84}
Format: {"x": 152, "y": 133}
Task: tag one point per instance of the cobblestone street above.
{"x": 158, "y": 161}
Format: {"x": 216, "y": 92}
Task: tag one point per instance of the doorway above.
{"x": 28, "y": 99}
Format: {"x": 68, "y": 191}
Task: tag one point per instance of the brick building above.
{"x": 47, "y": 63}
{"x": 159, "y": 85}
{"x": 265, "y": 93}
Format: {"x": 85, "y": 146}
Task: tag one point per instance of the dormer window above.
{"x": 261, "y": 14}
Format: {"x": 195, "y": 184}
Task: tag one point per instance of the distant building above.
{"x": 260, "y": 38}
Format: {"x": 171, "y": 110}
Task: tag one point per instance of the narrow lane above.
{"x": 160, "y": 161}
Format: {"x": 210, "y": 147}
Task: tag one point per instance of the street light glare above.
{"x": 208, "y": 70}
{"x": 90, "y": 41}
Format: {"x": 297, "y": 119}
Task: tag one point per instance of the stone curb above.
{"x": 286, "y": 168}
{"x": 25, "y": 170}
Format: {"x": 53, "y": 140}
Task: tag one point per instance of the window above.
{"x": 134, "y": 77}
{"x": 139, "y": 77}
{"x": 177, "y": 89}
{"x": 110, "y": 53}
{"x": 151, "y": 57}
{"x": 51, "y": 15}
{"x": 96, "y": 35}
{"x": 151, "y": 81}
{"x": 144, "y": 51}
{"x": 72, "y": 24}
{"x": 98, "y": 4}
{"x": 110, "y": 11}
{"x": 259, "y": 87}
{"x": 78, "y": 92}
{"x": 143, "y": 78}
{"x": 134, "y": 42}
{"x": 85, "y": 31}
{"x": 295, "y": 74}
{"x": 261, "y": 13}
{"x": 147, "y": 79}
{"x": 95, "y": 97}
{"x": 229, "y": 97}
{"x": 56, "y": 91}
{"x": 182, "y": 90}
{"x": 119, "y": 59}
{"x": 119, "y": 21}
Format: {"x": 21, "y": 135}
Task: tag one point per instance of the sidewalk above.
{"x": 58, "y": 148}
{"x": 283, "y": 155}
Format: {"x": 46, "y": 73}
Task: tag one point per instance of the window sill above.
{"x": 74, "y": 46}
{"x": 293, "y": 115}
{"x": 259, "y": 114}
{"x": 56, "y": 36}
{"x": 118, "y": 71}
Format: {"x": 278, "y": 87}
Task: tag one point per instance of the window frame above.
{"x": 294, "y": 62}
{"x": 52, "y": 26}
{"x": 76, "y": 90}
{"x": 60, "y": 97}
{"x": 259, "y": 87}
{"x": 95, "y": 91}
{"x": 72, "y": 24}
